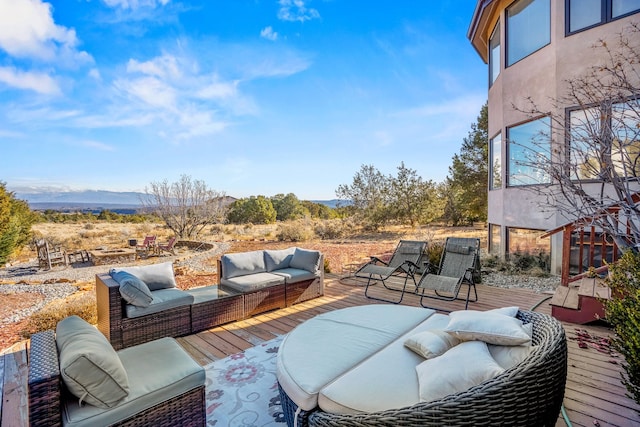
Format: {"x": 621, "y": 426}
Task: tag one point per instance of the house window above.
{"x": 523, "y": 241}
{"x": 494, "y": 239}
{"x": 584, "y": 14}
{"x": 528, "y": 152}
{"x": 605, "y": 135}
{"x": 528, "y": 28}
{"x": 495, "y": 174}
{"x": 494, "y": 54}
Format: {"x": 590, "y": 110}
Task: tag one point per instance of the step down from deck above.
{"x": 581, "y": 301}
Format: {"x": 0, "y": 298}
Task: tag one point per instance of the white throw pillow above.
{"x": 508, "y": 356}
{"x": 464, "y": 366}
{"x": 492, "y": 328}
{"x": 507, "y": 311}
{"x": 431, "y": 343}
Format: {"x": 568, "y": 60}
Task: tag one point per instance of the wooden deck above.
{"x": 594, "y": 394}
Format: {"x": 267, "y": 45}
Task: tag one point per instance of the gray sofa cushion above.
{"x": 163, "y": 299}
{"x": 253, "y": 282}
{"x": 305, "y": 260}
{"x": 133, "y": 290}
{"x": 90, "y": 367}
{"x": 156, "y": 276}
{"x": 278, "y": 259}
{"x": 242, "y": 263}
{"x": 293, "y": 275}
{"x": 158, "y": 371}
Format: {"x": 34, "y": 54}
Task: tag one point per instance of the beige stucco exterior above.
{"x": 541, "y": 76}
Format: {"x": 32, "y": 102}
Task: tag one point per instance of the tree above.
{"x": 369, "y": 196}
{"x": 16, "y": 220}
{"x": 288, "y": 207}
{"x": 411, "y": 198}
{"x": 467, "y": 178}
{"x": 592, "y": 157}
{"x": 255, "y": 210}
{"x": 186, "y": 206}
{"x": 318, "y": 210}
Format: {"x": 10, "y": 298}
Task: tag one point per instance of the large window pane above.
{"x": 584, "y": 13}
{"x": 529, "y": 149}
{"x": 494, "y": 54}
{"x": 622, "y": 7}
{"x": 522, "y": 241}
{"x": 625, "y": 126}
{"x": 528, "y": 28}
{"x": 494, "y": 239}
{"x": 495, "y": 176}
{"x": 586, "y": 129}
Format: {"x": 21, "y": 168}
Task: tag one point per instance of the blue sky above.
{"x": 250, "y": 96}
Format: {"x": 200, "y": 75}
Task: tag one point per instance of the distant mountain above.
{"x": 97, "y": 200}
{"x": 333, "y": 203}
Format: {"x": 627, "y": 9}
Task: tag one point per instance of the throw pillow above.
{"x": 89, "y": 366}
{"x": 507, "y": 311}
{"x": 431, "y": 343}
{"x": 305, "y": 260}
{"x": 464, "y": 366}
{"x": 492, "y": 328}
{"x": 133, "y": 290}
{"x": 155, "y": 276}
{"x": 508, "y": 356}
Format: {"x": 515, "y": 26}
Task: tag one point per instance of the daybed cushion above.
{"x": 352, "y": 335}
{"x": 294, "y": 275}
{"x": 133, "y": 290}
{"x": 508, "y": 356}
{"x": 305, "y": 260}
{"x": 278, "y": 259}
{"x": 242, "y": 263}
{"x": 158, "y": 371}
{"x": 163, "y": 299}
{"x": 492, "y": 328}
{"x": 431, "y": 343}
{"x": 385, "y": 380}
{"x": 90, "y": 367}
{"x": 253, "y": 282}
{"x": 155, "y": 276}
{"x": 464, "y": 366}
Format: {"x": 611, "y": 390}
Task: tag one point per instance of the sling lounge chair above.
{"x": 459, "y": 265}
{"x": 403, "y": 263}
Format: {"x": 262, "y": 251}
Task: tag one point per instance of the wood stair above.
{"x": 581, "y": 301}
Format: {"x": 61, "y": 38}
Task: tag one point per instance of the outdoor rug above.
{"x": 241, "y": 390}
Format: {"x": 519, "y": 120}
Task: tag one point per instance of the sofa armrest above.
{"x": 44, "y": 381}
{"x": 110, "y": 307}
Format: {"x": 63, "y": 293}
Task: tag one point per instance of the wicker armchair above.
{"x": 46, "y": 394}
{"x": 529, "y": 394}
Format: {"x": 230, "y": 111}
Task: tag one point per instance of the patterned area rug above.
{"x": 242, "y": 389}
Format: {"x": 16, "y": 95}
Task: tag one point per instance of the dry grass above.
{"x": 81, "y": 304}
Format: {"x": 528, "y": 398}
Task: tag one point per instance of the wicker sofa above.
{"x": 527, "y": 394}
{"x": 72, "y": 375}
{"x": 273, "y": 279}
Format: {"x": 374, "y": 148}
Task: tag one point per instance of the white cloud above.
{"x": 269, "y": 34}
{"x": 295, "y": 10}
{"x": 218, "y": 90}
{"x": 95, "y": 74}
{"x": 135, "y": 4}
{"x": 150, "y": 90}
{"x": 27, "y": 30}
{"x": 38, "y": 82}
{"x": 165, "y": 66}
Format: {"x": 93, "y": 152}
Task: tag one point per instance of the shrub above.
{"x": 623, "y": 311}
{"x": 330, "y": 229}
{"x": 294, "y": 232}
{"x": 433, "y": 255}
{"x": 81, "y": 304}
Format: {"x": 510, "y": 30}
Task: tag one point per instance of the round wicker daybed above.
{"x": 528, "y": 394}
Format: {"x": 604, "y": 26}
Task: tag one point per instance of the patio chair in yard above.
{"x": 459, "y": 265}
{"x": 166, "y": 247}
{"x": 48, "y": 255}
{"x": 146, "y": 246}
{"x": 403, "y": 264}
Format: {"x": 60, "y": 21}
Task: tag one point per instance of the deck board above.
{"x": 594, "y": 392}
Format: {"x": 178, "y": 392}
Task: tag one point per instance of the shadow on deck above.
{"x": 594, "y": 394}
